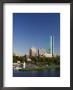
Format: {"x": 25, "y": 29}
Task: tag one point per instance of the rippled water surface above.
{"x": 46, "y": 73}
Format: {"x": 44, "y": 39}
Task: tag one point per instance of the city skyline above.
{"x": 33, "y": 30}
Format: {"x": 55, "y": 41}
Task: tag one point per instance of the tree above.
{"x": 25, "y": 57}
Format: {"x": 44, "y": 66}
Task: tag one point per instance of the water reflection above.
{"x": 53, "y": 72}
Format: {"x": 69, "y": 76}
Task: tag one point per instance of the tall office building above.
{"x": 52, "y": 45}
{"x": 41, "y": 52}
{"x": 32, "y": 51}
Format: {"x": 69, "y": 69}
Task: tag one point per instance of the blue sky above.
{"x": 34, "y": 30}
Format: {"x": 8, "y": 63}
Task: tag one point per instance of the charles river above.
{"x": 46, "y": 73}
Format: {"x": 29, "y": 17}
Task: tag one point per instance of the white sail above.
{"x": 24, "y": 65}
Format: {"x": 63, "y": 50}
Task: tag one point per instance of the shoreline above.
{"x": 42, "y": 68}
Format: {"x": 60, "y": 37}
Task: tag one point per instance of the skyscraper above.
{"x": 52, "y": 45}
{"x": 41, "y": 52}
{"x": 32, "y": 52}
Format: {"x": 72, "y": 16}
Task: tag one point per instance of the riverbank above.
{"x": 41, "y": 68}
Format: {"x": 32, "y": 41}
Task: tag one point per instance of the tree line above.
{"x": 38, "y": 60}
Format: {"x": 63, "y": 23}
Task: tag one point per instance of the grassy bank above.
{"x": 41, "y": 68}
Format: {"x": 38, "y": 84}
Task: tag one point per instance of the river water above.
{"x": 46, "y": 73}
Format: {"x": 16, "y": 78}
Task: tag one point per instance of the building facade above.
{"x": 32, "y": 51}
{"x": 41, "y": 52}
{"x": 52, "y": 45}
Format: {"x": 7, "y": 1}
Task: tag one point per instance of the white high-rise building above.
{"x": 52, "y": 45}
{"x": 51, "y": 53}
{"x": 41, "y": 52}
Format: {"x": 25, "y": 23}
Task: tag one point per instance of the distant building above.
{"x": 18, "y": 62}
{"x": 51, "y": 49}
{"x": 52, "y": 45}
{"x": 41, "y": 52}
{"x": 32, "y": 52}
{"x": 47, "y": 55}
{"x": 28, "y": 59}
